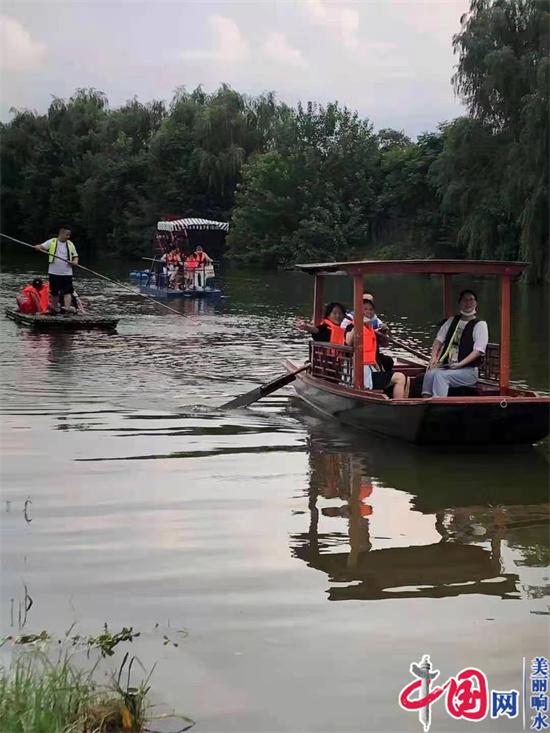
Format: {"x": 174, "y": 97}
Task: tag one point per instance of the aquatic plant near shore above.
{"x": 41, "y": 694}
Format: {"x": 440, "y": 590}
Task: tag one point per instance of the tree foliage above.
{"x": 503, "y": 76}
{"x": 312, "y": 182}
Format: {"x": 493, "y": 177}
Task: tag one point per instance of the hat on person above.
{"x": 37, "y": 283}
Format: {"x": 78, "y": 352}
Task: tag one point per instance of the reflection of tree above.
{"x": 537, "y": 591}
{"x": 532, "y": 544}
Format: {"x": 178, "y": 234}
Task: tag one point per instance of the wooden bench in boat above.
{"x": 86, "y": 322}
{"x": 335, "y": 364}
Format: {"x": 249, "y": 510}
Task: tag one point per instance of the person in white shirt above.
{"x": 458, "y": 349}
{"x": 62, "y": 257}
{"x": 376, "y": 323}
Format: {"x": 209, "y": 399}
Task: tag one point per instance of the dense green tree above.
{"x": 410, "y": 219}
{"x": 503, "y": 76}
{"x": 308, "y": 182}
{"x": 315, "y": 196}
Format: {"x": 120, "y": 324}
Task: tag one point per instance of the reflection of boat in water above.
{"x": 426, "y": 571}
{"x": 472, "y": 529}
{"x": 489, "y": 412}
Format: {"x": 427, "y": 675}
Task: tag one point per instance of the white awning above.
{"x": 180, "y": 224}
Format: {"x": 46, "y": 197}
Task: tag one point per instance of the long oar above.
{"x": 404, "y": 346}
{"x": 98, "y": 274}
{"x": 256, "y": 394}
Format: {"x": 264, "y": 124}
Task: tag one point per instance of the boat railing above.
{"x": 332, "y": 362}
{"x": 489, "y": 369}
{"x": 335, "y": 363}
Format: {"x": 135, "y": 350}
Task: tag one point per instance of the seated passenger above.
{"x": 329, "y": 330}
{"x": 381, "y": 329}
{"x": 377, "y": 324}
{"x": 172, "y": 258}
{"x": 374, "y": 374}
{"x": 191, "y": 262}
{"x": 34, "y": 298}
{"x": 177, "y": 278}
{"x": 458, "y": 349}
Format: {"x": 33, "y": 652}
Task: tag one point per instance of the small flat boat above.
{"x": 490, "y": 412}
{"x": 155, "y": 285}
{"x": 86, "y": 322}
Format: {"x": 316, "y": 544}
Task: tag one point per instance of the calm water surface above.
{"x": 309, "y": 565}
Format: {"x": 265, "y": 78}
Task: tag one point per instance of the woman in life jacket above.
{"x": 329, "y": 329}
{"x": 34, "y": 298}
{"x": 374, "y": 374}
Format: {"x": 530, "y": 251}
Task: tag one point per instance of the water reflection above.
{"x": 389, "y": 521}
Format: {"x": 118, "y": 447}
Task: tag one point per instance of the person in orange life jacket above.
{"x": 458, "y": 349}
{"x": 34, "y": 298}
{"x": 201, "y": 257}
{"x": 380, "y": 328}
{"x": 171, "y": 259}
{"x": 329, "y": 330}
{"x": 191, "y": 262}
{"x": 62, "y": 257}
{"x": 375, "y": 377}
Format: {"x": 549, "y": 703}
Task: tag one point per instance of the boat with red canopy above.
{"x": 490, "y": 412}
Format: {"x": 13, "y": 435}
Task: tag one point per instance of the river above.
{"x": 308, "y": 565}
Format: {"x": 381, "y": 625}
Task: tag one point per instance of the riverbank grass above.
{"x": 38, "y": 695}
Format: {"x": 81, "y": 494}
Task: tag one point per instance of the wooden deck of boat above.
{"x": 86, "y": 322}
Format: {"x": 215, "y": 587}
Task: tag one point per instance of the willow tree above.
{"x": 503, "y": 77}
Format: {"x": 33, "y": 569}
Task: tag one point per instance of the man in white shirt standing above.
{"x": 62, "y": 257}
{"x": 458, "y": 349}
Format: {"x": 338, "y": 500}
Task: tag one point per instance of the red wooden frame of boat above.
{"x": 492, "y": 412}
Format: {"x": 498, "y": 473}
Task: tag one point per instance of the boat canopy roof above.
{"x": 179, "y": 225}
{"x": 431, "y": 267}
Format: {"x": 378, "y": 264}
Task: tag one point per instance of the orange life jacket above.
{"x": 43, "y": 296}
{"x": 365, "y": 510}
{"x": 191, "y": 262}
{"x": 200, "y": 257}
{"x": 365, "y": 490}
{"x": 173, "y": 258}
{"x": 370, "y": 345}
{"x": 337, "y": 333}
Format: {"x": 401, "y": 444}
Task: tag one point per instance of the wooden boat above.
{"x": 87, "y": 322}
{"x": 491, "y": 412}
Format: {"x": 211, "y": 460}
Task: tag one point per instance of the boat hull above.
{"x": 63, "y": 323}
{"x": 449, "y": 421}
{"x": 170, "y": 293}
{"x": 154, "y": 286}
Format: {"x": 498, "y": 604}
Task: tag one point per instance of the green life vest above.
{"x": 71, "y": 249}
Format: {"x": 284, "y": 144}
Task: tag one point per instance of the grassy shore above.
{"x": 51, "y": 686}
{"x": 38, "y": 695}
